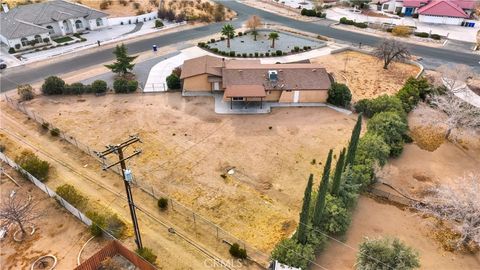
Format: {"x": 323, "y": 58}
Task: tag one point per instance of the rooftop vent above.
{"x": 273, "y": 75}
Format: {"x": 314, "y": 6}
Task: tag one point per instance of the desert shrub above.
{"x": 339, "y": 95}
{"x": 344, "y": 20}
{"x": 25, "y": 91}
{"x": 336, "y": 218}
{"x": 11, "y": 50}
{"x": 279, "y": 53}
{"x": 173, "y": 81}
{"x": 201, "y": 44}
{"x": 401, "y": 31}
{"x": 392, "y": 128}
{"x": 104, "y": 5}
{"x": 99, "y": 222}
{"x": 2, "y": 148}
{"x": 240, "y": 34}
{"x": 71, "y": 195}
{"x": 219, "y": 12}
{"x": 238, "y": 252}
{"x": 371, "y": 149}
{"x": 99, "y": 86}
{"x": 74, "y": 88}
{"x": 45, "y": 125}
{"x": 421, "y": 34}
{"x": 435, "y": 36}
{"x": 147, "y": 254}
{"x": 55, "y": 132}
{"x": 158, "y": 24}
{"x": 136, "y": 5}
{"x": 384, "y": 103}
{"x": 361, "y": 25}
{"x": 162, "y": 203}
{"x": 115, "y": 225}
{"x": 386, "y": 253}
{"x": 34, "y": 165}
{"x": 53, "y": 85}
{"x": 427, "y": 137}
{"x": 292, "y": 253}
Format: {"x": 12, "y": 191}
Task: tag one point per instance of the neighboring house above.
{"x": 431, "y": 11}
{"x": 27, "y": 25}
{"x": 249, "y": 80}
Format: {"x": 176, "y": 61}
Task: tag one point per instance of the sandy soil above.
{"x": 58, "y": 232}
{"x": 364, "y": 74}
{"x": 280, "y": 9}
{"x": 187, "y": 147}
{"x": 376, "y": 219}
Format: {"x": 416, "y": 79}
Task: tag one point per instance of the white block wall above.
{"x": 132, "y": 19}
{"x": 440, "y": 19}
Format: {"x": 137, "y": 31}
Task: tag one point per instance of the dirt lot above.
{"x": 187, "y": 147}
{"x": 364, "y": 74}
{"x": 376, "y": 219}
{"x": 57, "y": 232}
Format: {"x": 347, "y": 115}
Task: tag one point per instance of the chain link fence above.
{"x": 201, "y": 226}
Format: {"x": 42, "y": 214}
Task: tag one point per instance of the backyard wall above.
{"x": 132, "y": 19}
{"x": 440, "y": 19}
{"x": 197, "y": 83}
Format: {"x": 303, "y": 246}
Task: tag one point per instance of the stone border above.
{"x": 46, "y": 256}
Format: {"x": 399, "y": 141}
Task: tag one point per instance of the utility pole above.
{"x": 127, "y": 177}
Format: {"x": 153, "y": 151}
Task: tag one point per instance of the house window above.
{"x": 78, "y": 24}
{"x": 237, "y": 98}
{"x": 24, "y": 42}
{"x": 38, "y": 38}
{"x": 50, "y": 29}
{"x": 385, "y": 6}
{"x": 398, "y": 9}
{"x": 99, "y": 22}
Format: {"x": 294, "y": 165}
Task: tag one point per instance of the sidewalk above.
{"x": 455, "y": 32}
{"x": 105, "y": 36}
{"x": 159, "y": 73}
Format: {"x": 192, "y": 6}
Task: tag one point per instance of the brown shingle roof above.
{"x": 240, "y": 90}
{"x": 202, "y": 65}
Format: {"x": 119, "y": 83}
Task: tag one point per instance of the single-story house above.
{"x": 27, "y": 25}
{"x": 452, "y": 12}
{"x": 250, "y": 80}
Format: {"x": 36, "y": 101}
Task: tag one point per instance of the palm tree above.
{"x": 228, "y": 31}
{"x": 273, "y": 36}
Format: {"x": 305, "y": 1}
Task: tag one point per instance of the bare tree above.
{"x": 253, "y": 23}
{"x": 18, "y": 210}
{"x": 454, "y": 76}
{"x": 459, "y": 204}
{"x": 459, "y": 113}
{"x": 391, "y": 49}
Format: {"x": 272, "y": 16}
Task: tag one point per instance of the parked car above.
{"x": 3, "y": 65}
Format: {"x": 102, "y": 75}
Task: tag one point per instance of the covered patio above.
{"x": 246, "y": 95}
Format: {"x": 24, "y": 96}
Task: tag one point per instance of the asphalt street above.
{"x": 28, "y": 74}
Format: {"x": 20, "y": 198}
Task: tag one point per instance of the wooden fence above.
{"x": 111, "y": 249}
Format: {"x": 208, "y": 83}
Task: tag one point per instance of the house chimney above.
{"x": 5, "y": 7}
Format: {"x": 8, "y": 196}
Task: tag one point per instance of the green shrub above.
{"x": 335, "y": 217}
{"x": 74, "y": 88}
{"x": 132, "y": 86}
{"x": 386, "y": 254}
{"x": 53, "y": 86}
{"x": 344, "y": 20}
{"x": 173, "y": 82}
{"x": 55, "y": 132}
{"x": 278, "y": 53}
{"x": 71, "y": 195}
{"x": 435, "y": 36}
{"x": 423, "y": 86}
{"x": 256, "y": 54}
{"x": 201, "y": 44}
{"x": 384, "y": 103}
{"x": 409, "y": 95}
{"x": 238, "y": 252}
{"x": 349, "y": 188}
{"x": 421, "y": 34}
{"x": 162, "y": 203}
{"x": 158, "y": 24}
{"x": 231, "y": 53}
{"x": 99, "y": 222}
{"x": 99, "y": 86}
{"x": 392, "y": 128}
{"x": 371, "y": 149}
{"x": 250, "y": 55}
{"x": 11, "y": 50}
{"x": 124, "y": 86}
{"x": 339, "y": 95}
{"x": 296, "y": 49}
{"x": 267, "y": 54}
{"x": 34, "y": 165}
{"x": 45, "y": 125}
{"x": 147, "y": 254}
{"x": 361, "y": 25}
{"x": 292, "y": 253}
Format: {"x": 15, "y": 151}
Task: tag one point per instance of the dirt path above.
{"x": 84, "y": 173}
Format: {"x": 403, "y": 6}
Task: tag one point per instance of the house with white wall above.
{"x": 28, "y": 25}
{"x": 452, "y": 12}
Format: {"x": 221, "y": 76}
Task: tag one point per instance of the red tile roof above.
{"x": 442, "y": 8}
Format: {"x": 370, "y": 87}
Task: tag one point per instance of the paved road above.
{"x": 25, "y": 74}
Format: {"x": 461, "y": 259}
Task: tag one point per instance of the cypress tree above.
{"x": 302, "y": 227}
{"x": 337, "y": 177}
{"x": 322, "y": 191}
{"x": 352, "y": 146}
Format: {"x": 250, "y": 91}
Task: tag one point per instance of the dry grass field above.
{"x": 187, "y": 147}
{"x": 364, "y": 74}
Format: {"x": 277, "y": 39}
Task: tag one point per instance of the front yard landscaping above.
{"x": 63, "y": 39}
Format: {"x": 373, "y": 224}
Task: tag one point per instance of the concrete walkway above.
{"x": 159, "y": 73}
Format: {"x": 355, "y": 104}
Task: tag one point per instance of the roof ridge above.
{"x": 29, "y": 23}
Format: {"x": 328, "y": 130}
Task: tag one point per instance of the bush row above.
{"x": 427, "y": 35}
{"x": 295, "y": 49}
{"x": 313, "y": 13}
{"x": 33, "y": 165}
{"x": 56, "y": 86}
{"x": 346, "y": 21}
